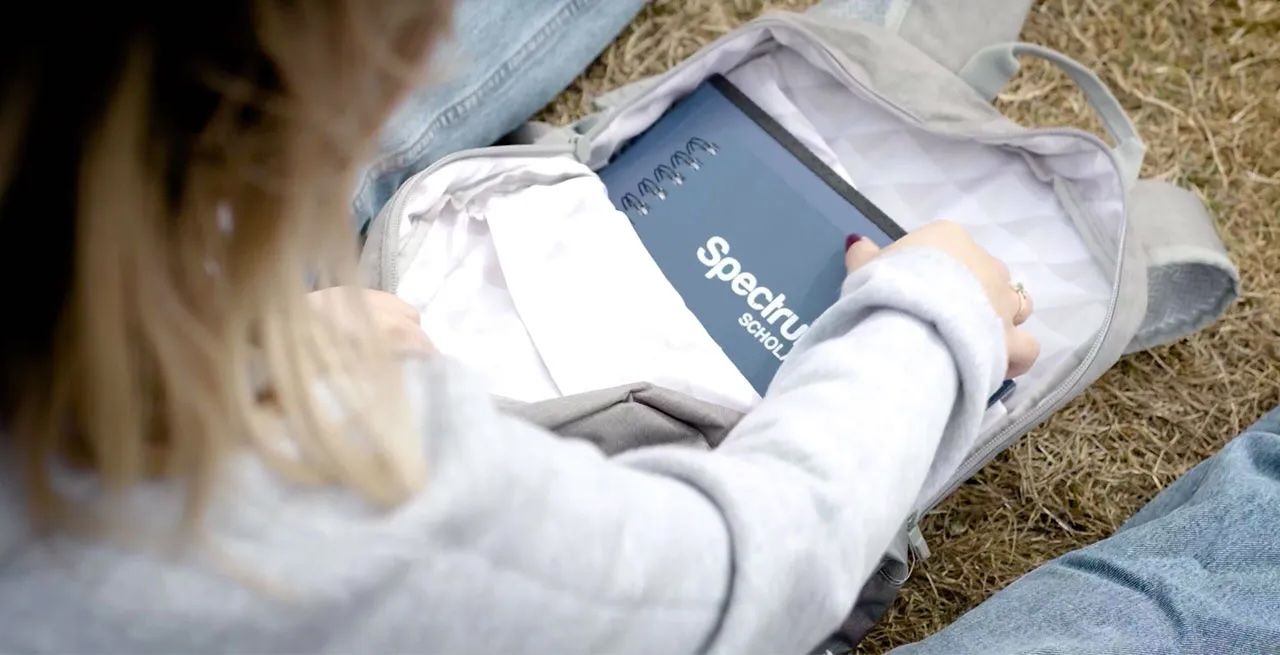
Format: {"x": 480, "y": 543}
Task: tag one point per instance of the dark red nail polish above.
{"x": 851, "y": 239}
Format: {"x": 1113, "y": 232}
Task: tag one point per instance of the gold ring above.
{"x": 1022, "y": 296}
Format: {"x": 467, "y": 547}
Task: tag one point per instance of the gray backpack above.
{"x": 1124, "y": 264}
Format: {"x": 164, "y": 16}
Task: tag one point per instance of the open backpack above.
{"x": 524, "y": 270}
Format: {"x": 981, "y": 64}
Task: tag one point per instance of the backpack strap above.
{"x": 1190, "y": 279}
{"x": 991, "y": 68}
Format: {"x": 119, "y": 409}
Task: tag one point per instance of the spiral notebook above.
{"x": 745, "y": 222}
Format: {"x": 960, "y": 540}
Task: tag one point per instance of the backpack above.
{"x": 516, "y": 254}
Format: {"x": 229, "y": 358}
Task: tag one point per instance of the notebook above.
{"x": 746, "y": 223}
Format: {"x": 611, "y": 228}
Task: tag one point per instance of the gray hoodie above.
{"x": 525, "y": 542}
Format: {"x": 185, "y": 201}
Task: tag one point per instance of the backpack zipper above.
{"x": 916, "y": 545}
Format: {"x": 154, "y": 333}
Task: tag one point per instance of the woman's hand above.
{"x": 1010, "y": 305}
{"x": 396, "y": 321}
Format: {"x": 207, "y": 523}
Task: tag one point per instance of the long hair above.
{"x": 173, "y": 178}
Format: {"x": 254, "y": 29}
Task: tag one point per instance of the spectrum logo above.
{"x": 772, "y": 307}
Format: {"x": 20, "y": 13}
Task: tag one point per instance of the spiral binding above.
{"x": 652, "y": 189}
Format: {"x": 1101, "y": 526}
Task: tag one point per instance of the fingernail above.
{"x": 851, "y": 239}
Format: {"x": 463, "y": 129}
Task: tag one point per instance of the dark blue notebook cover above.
{"x": 746, "y": 224}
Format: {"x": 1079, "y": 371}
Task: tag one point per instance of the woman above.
{"x": 199, "y": 459}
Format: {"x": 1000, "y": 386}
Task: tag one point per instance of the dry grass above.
{"x": 1202, "y": 81}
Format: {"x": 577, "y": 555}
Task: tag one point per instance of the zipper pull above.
{"x": 915, "y": 540}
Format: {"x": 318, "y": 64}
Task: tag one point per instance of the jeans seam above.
{"x": 450, "y": 114}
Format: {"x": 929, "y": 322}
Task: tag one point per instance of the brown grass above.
{"x": 1202, "y": 81}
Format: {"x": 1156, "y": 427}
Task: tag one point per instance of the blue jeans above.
{"x": 507, "y": 60}
{"x": 1195, "y": 571}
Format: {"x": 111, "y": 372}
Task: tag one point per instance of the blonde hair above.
{"x": 209, "y": 166}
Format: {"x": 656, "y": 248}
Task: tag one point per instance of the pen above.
{"x": 1002, "y": 393}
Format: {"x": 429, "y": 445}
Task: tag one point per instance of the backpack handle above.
{"x": 991, "y": 68}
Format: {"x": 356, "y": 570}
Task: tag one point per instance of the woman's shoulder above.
{"x": 266, "y": 552}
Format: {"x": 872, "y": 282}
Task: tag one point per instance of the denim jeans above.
{"x": 1195, "y": 571}
{"x": 508, "y": 59}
